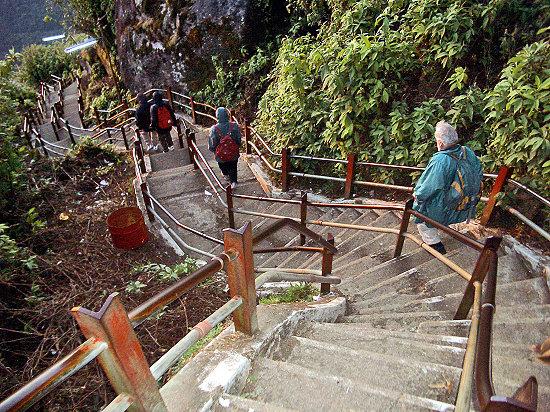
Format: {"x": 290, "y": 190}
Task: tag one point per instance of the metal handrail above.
{"x": 52, "y": 377}
{"x": 174, "y": 291}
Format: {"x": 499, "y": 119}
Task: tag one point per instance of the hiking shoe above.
{"x": 171, "y": 148}
{"x": 233, "y": 185}
{"x": 440, "y": 248}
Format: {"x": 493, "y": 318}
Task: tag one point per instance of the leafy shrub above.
{"x": 39, "y": 62}
{"x": 167, "y": 273}
{"x": 11, "y": 255}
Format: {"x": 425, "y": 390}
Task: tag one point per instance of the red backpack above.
{"x": 227, "y": 150}
{"x": 164, "y": 118}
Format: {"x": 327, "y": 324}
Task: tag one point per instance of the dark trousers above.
{"x": 165, "y": 139}
{"x": 229, "y": 169}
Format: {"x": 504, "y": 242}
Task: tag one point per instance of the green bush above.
{"x": 39, "y": 62}
{"x": 379, "y": 75}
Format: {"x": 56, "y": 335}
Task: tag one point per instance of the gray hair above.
{"x": 446, "y": 133}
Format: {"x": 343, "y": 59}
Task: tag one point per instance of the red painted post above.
{"x": 140, "y": 157}
{"x": 147, "y": 200}
{"x": 97, "y": 117}
{"x": 504, "y": 174}
{"x": 123, "y": 361}
{"x": 240, "y": 276}
{"x": 180, "y": 134}
{"x": 170, "y": 97}
{"x": 123, "y": 132}
{"x": 285, "y": 167}
{"x": 189, "y": 148}
{"x": 193, "y": 113}
{"x": 326, "y": 269}
{"x": 55, "y": 132}
{"x": 193, "y": 140}
{"x": 350, "y": 175}
{"x": 403, "y": 228}
{"x": 70, "y": 133}
{"x": 247, "y": 148}
{"x": 303, "y": 215}
{"x": 229, "y": 201}
{"x": 478, "y": 275}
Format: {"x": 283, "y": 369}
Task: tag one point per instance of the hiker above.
{"x": 162, "y": 120}
{"x": 450, "y": 187}
{"x": 143, "y": 123}
{"x": 224, "y": 141}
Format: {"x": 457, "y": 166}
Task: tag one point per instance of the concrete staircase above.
{"x": 397, "y": 347}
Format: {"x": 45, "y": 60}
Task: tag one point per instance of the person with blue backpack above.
{"x": 224, "y": 141}
{"x": 450, "y": 187}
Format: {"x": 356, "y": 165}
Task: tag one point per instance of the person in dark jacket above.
{"x": 221, "y": 129}
{"x": 162, "y": 120}
{"x": 143, "y": 122}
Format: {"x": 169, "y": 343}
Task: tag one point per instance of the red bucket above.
{"x": 127, "y": 228}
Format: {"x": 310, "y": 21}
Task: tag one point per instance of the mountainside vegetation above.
{"x": 374, "y": 77}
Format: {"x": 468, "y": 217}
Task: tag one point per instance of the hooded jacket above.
{"x": 433, "y": 188}
{"x": 143, "y": 116}
{"x": 158, "y": 101}
{"x": 221, "y": 128}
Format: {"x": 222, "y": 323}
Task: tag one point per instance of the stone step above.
{"x": 398, "y": 320}
{"x": 525, "y": 331}
{"x": 386, "y": 344}
{"x": 313, "y": 390}
{"x": 508, "y": 295}
{"x": 228, "y": 402}
{"x": 394, "y": 373}
{"x": 169, "y": 160}
{"x": 341, "y": 236}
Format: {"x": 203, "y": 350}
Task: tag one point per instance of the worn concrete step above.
{"x": 169, "y": 160}
{"x": 525, "y": 331}
{"x": 321, "y": 391}
{"x": 228, "y": 402}
{"x": 508, "y": 295}
{"x": 399, "y": 320}
{"x": 385, "y": 344}
{"x": 394, "y": 373}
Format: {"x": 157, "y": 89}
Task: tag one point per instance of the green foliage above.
{"x": 303, "y": 292}
{"x": 166, "y": 273}
{"x": 33, "y": 220}
{"x": 36, "y": 295}
{"x": 378, "y": 76}
{"x": 39, "y": 62}
{"x": 135, "y": 287}
{"x": 12, "y": 256}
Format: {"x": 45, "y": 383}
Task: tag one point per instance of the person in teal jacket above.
{"x": 441, "y": 193}
{"x": 222, "y": 128}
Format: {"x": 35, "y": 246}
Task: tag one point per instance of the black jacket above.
{"x": 143, "y": 116}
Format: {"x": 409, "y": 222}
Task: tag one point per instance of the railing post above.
{"x": 350, "y": 175}
{"x": 229, "y": 201}
{"x": 139, "y": 153}
{"x": 191, "y": 140}
{"x": 247, "y": 148}
{"x": 193, "y": 113}
{"x": 240, "y": 276}
{"x": 39, "y": 137}
{"x": 170, "y": 97}
{"x": 55, "y": 132}
{"x": 97, "y": 117}
{"x": 180, "y": 134}
{"x": 504, "y": 174}
{"x": 123, "y": 361}
{"x": 27, "y": 134}
{"x": 123, "y": 133}
{"x": 303, "y": 215}
{"x": 70, "y": 132}
{"x": 326, "y": 268}
{"x": 478, "y": 275}
{"x": 285, "y": 167}
{"x": 108, "y": 131}
{"x": 403, "y": 228}
{"x": 147, "y": 200}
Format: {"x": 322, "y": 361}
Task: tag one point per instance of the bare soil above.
{"x": 79, "y": 266}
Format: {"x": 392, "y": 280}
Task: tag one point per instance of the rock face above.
{"x": 171, "y": 42}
